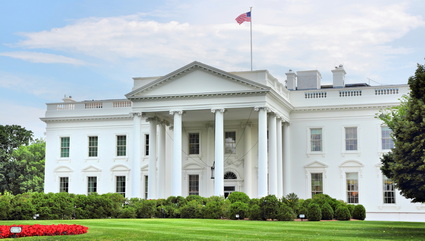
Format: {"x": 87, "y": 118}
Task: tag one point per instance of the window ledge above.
{"x": 389, "y": 206}
{"x": 64, "y": 159}
{"x": 121, "y": 159}
{"x": 316, "y": 153}
{"x": 92, "y": 159}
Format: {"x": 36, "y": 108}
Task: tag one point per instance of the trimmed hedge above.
{"x": 112, "y": 205}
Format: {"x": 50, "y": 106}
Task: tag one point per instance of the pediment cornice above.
{"x": 86, "y": 118}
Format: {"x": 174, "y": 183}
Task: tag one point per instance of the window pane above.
{"x": 387, "y": 140}
{"x": 91, "y": 184}
{"x": 352, "y": 187}
{"x": 230, "y": 142}
{"x": 63, "y": 184}
{"x": 65, "y": 146}
{"x": 120, "y": 184}
{"x": 316, "y": 183}
{"x": 388, "y": 189}
{"x": 147, "y": 145}
{"x": 193, "y": 184}
{"x": 351, "y": 138}
{"x": 146, "y": 186}
{"x": 92, "y": 146}
{"x": 193, "y": 143}
{"x": 121, "y": 145}
{"x": 316, "y": 139}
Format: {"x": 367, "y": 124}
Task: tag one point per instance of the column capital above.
{"x": 258, "y": 108}
{"x": 222, "y": 110}
{"x": 180, "y": 112}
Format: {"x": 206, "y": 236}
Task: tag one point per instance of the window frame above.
{"x": 233, "y": 148}
{"x": 93, "y": 187}
{"x": 353, "y": 139}
{"x": 311, "y": 140}
{"x": 93, "y": 147}
{"x": 388, "y": 199}
{"x": 352, "y": 189}
{"x": 193, "y": 184}
{"x": 65, "y": 149}
{"x": 146, "y": 144}
{"x": 312, "y": 180}
{"x": 121, "y": 147}
{"x": 197, "y": 144}
{"x": 64, "y": 185}
{"x": 117, "y": 186}
{"x": 387, "y": 142}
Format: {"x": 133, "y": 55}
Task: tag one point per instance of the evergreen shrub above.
{"x": 314, "y": 213}
{"x": 238, "y": 208}
{"x": 342, "y": 213}
{"x": 359, "y": 212}
{"x": 269, "y": 207}
{"x": 238, "y": 197}
{"x": 327, "y": 212}
{"x": 285, "y": 213}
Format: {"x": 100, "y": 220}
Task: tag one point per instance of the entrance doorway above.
{"x": 228, "y": 190}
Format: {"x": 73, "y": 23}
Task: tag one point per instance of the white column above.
{"x": 262, "y": 152}
{"x": 286, "y": 159}
{"x": 176, "y": 187}
{"x": 272, "y": 155}
{"x": 161, "y": 161}
{"x": 279, "y": 158}
{"x": 135, "y": 165}
{"x": 219, "y": 152}
{"x": 152, "y": 161}
{"x": 210, "y": 158}
{"x": 248, "y": 162}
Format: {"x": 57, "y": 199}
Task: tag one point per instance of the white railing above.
{"x": 65, "y": 106}
{"x": 386, "y": 91}
{"x": 119, "y": 104}
{"x": 315, "y": 95}
{"x": 350, "y": 93}
{"x": 93, "y": 105}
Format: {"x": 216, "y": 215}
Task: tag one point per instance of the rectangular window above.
{"x": 91, "y": 184}
{"x": 121, "y": 145}
{"x": 65, "y": 143}
{"x": 193, "y": 184}
{"x": 316, "y": 139}
{"x": 147, "y": 145}
{"x": 63, "y": 184}
{"x": 316, "y": 183}
{"x": 351, "y": 138}
{"x": 120, "y": 184}
{"x": 230, "y": 142}
{"x": 352, "y": 187}
{"x": 387, "y": 140}
{"x": 93, "y": 141}
{"x": 146, "y": 186}
{"x": 389, "y": 192}
{"x": 193, "y": 143}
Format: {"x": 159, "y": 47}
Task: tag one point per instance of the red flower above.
{"x": 42, "y": 230}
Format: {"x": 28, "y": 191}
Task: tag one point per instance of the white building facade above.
{"x": 200, "y": 130}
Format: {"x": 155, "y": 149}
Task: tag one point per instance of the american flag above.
{"x": 244, "y": 17}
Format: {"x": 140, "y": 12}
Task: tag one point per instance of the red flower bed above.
{"x": 42, "y": 230}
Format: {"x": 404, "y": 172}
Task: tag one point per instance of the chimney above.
{"x": 68, "y": 99}
{"x": 309, "y": 80}
{"x": 339, "y": 76}
{"x": 291, "y": 80}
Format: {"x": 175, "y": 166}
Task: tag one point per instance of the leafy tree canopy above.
{"x": 405, "y": 163}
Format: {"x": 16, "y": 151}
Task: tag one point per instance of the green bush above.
{"x": 127, "y": 212}
{"x": 285, "y": 213}
{"x": 269, "y": 207}
{"x": 238, "y": 197}
{"x": 314, "y": 213}
{"x": 351, "y": 208}
{"x": 213, "y": 210}
{"x": 192, "y": 209}
{"x": 199, "y": 199}
{"x": 144, "y": 208}
{"x": 254, "y": 212}
{"x": 327, "y": 212}
{"x": 321, "y": 199}
{"x": 359, "y": 212}
{"x": 342, "y": 213}
{"x": 21, "y": 207}
{"x": 238, "y": 208}
{"x": 292, "y": 201}
{"x": 5, "y": 206}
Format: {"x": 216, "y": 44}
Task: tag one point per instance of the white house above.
{"x": 201, "y": 130}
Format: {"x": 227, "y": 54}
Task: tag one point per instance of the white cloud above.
{"x": 298, "y": 34}
{"x": 37, "y": 57}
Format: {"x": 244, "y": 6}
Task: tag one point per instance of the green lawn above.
{"x": 206, "y": 229}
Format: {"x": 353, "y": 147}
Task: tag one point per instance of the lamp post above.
{"x": 213, "y": 170}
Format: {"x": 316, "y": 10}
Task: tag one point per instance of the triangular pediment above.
{"x": 316, "y": 164}
{"x": 196, "y": 79}
{"x": 91, "y": 169}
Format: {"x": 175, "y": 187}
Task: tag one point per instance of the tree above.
{"x": 405, "y": 163}
{"x": 11, "y": 137}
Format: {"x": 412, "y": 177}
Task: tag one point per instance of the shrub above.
{"x": 285, "y": 213}
{"x": 5, "y": 205}
{"x": 238, "y": 197}
{"x": 342, "y": 213}
{"x": 127, "y": 212}
{"x": 238, "y": 208}
{"x": 314, "y": 213}
{"x": 327, "y": 212}
{"x": 292, "y": 201}
{"x": 213, "y": 210}
{"x": 351, "y": 209}
{"x": 321, "y": 199}
{"x": 199, "y": 199}
{"x": 191, "y": 210}
{"x": 144, "y": 208}
{"x": 269, "y": 207}
{"x": 21, "y": 207}
{"x": 359, "y": 212}
{"x": 254, "y": 212}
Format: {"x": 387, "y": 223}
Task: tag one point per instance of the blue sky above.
{"x": 91, "y": 49}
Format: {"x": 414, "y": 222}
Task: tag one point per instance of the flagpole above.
{"x": 250, "y": 24}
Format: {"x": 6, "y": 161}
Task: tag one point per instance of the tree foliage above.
{"x": 405, "y": 163}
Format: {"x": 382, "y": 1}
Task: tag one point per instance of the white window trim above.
{"x": 308, "y": 138}
{"x": 315, "y": 167}
{"x": 200, "y": 142}
{"x": 60, "y": 148}
{"x": 344, "y": 148}
{"x": 224, "y": 142}
{"x": 93, "y": 158}
{"x": 126, "y": 146}
{"x": 349, "y": 167}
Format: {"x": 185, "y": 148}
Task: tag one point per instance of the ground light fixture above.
{"x": 301, "y": 216}
{"x": 15, "y": 230}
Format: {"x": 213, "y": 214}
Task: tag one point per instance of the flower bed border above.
{"x": 42, "y": 230}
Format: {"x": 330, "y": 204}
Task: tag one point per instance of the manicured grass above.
{"x": 206, "y": 229}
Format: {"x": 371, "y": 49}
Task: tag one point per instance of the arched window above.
{"x": 230, "y": 175}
